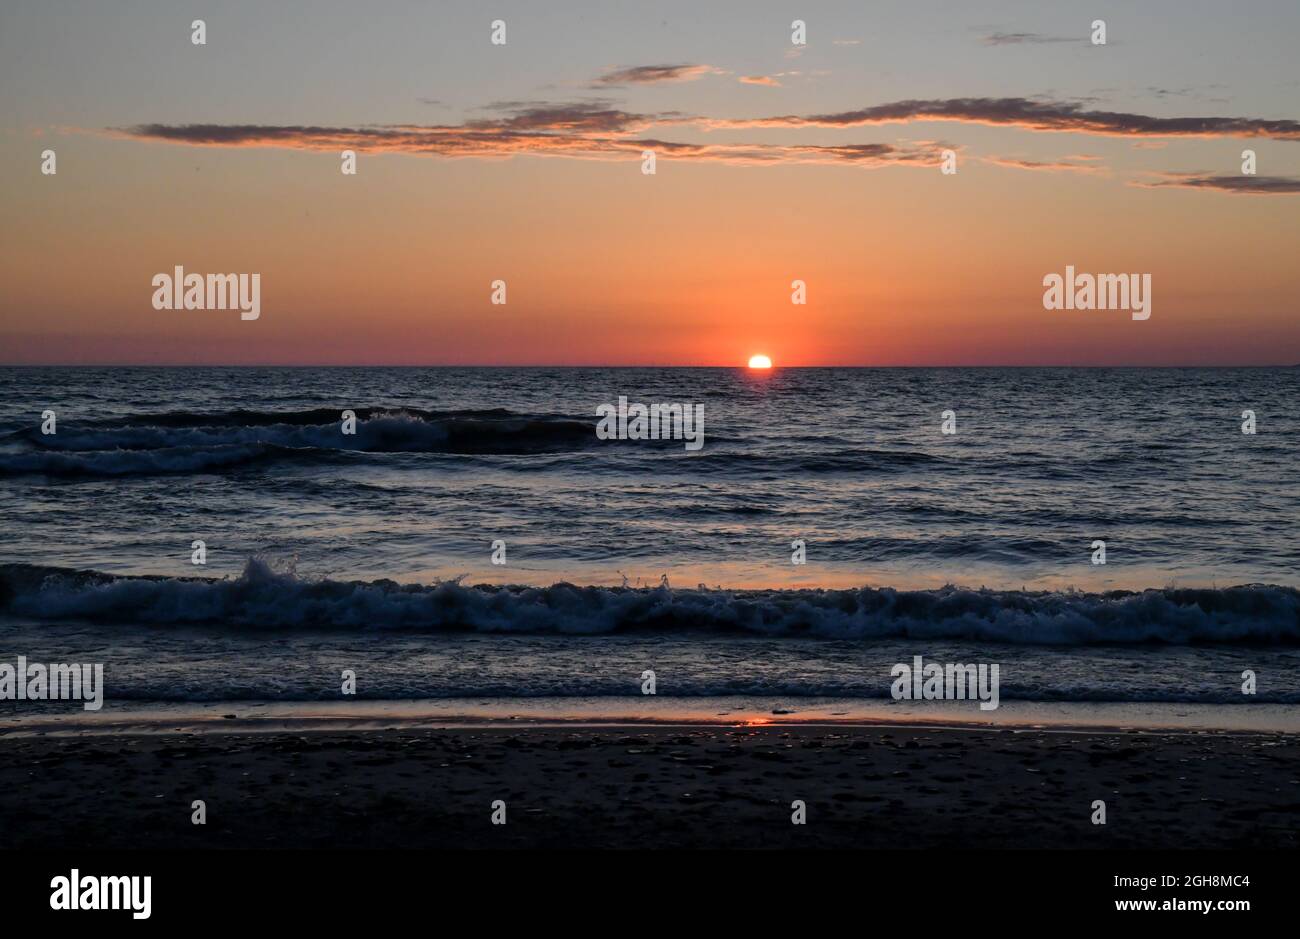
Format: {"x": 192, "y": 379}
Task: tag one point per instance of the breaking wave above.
{"x": 264, "y": 598}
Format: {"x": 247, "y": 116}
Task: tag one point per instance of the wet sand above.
{"x": 661, "y": 787}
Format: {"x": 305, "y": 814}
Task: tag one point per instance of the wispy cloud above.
{"x": 1249, "y": 185}
{"x": 580, "y": 131}
{"x": 1071, "y": 164}
{"x": 599, "y": 129}
{"x": 1018, "y": 39}
{"x": 1211, "y": 93}
{"x": 599, "y": 116}
{"x": 760, "y": 80}
{"x": 652, "y": 74}
{"x": 1032, "y": 114}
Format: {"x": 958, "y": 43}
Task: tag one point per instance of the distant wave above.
{"x": 406, "y": 686}
{"x": 136, "y": 462}
{"x": 264, "y": 598}
{"x": 846, "y": 460}
{"x": 179, "y": 442}
{"x": 243, "y": 417}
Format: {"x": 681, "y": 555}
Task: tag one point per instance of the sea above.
{"x": 474, "y": 547}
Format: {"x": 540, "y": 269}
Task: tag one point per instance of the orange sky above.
{"x": 690, "y": 266}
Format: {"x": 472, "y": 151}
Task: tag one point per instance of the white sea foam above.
{"x": 261, "y": 597}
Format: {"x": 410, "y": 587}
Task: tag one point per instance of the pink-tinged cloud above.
{"x": 1029, "y": 114}
{"x": 1070, "y": 164}
{"x": 767, "y": 80}
{"x": 1247, "y": 185}
{"x": 653, "y": 74}
{"x": 545, "y": 134}
{"x": 598, "y": 130}
{"x": 575, "y": 117}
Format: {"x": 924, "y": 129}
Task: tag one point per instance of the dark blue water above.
{"x": 378, "y": 545}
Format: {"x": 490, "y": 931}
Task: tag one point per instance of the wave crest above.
{"x": 262, "y": 597}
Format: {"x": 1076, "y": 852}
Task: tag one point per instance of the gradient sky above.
{"x": 775, "y": 162}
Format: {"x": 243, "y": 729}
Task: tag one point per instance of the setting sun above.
{"x": 759, "y": 361}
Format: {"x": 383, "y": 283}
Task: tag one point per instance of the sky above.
{"x": 774, "y": 162}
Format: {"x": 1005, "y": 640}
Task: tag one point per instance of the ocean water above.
{"x": 373, "y": 551}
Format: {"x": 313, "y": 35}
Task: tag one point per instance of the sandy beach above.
{"x": 657, "y": 786}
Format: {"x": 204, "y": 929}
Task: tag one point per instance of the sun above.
{"x": 759, "y": 361}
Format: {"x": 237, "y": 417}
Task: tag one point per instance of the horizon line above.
{"x": 742, "y": 367}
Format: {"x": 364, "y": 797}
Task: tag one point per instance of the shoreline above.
{"x": 653, "y": 787}
{"x": 241, "y": 717}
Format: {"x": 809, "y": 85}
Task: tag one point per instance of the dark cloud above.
{"x": 580, "y": 117}
{"x": 505, "y": 138}
{"x": 1017, "y": 39}
{"x": 597, "y": 129}
{"x": 1252, "y": 185}
{"x": 1031, "y": 114}
{"x": 649, "y": 74}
